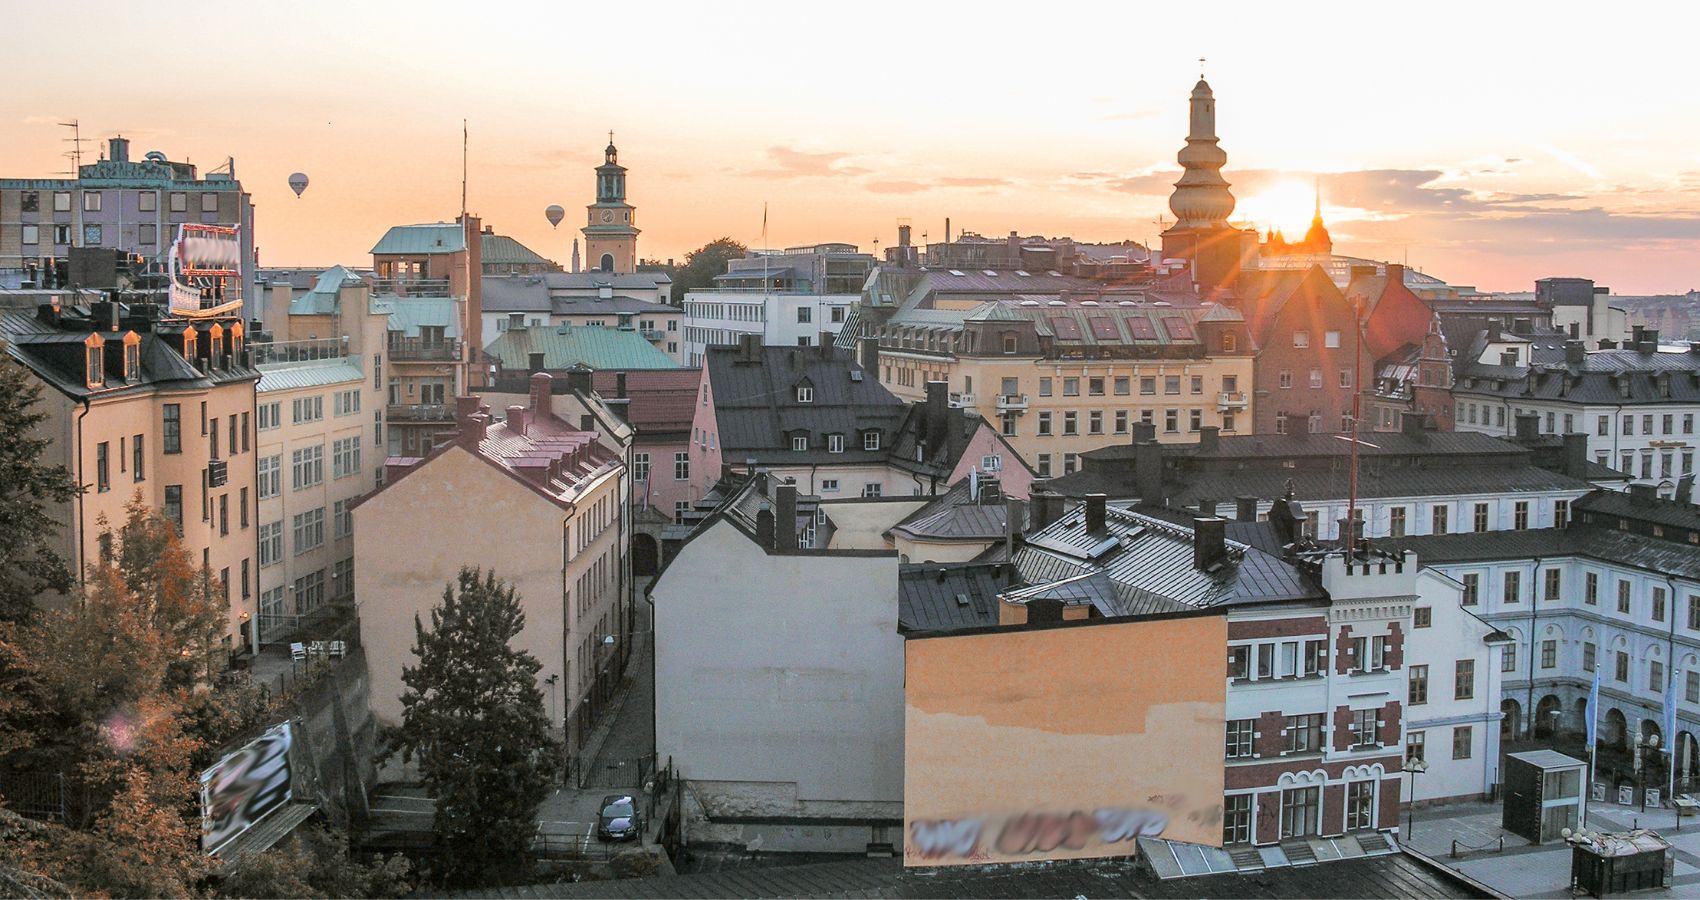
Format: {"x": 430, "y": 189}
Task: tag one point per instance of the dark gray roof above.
{"x": 55, "y": 355}
{"x": 1393, "y": 875}
{"x": 940, "y": 597}
{"x": 1603, "y": 377}
{"x": 954, "y": 515}
{"x": 1655, "y": 510}
{"x": 1580, "y": 541}
{"x": 615, "y": 305}
{"x": 1315, "y": 446}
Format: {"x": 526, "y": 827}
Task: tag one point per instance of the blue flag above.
{"x": 1594, "y": 711}
{"x": 1670, "y": 726}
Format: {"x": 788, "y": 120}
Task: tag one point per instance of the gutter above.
{"x": 81, "y": 543}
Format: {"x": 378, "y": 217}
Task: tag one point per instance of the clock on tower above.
{"x": 610, "y": 238}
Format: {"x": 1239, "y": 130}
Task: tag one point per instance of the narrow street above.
{"x": 631, "y": 733}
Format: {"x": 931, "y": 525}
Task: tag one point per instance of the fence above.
{"x": 35, "y": 795}
{"x": 545, "y": 846}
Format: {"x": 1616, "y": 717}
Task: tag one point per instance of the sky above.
{"x": 1489, "y": 144}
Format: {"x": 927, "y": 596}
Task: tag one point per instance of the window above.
{"x": 1589, "y": 651}
{"x": 1236, "y": 819}
{"x": 1550, "y": 581}
{"x": 1464, "y": 679}
{"x": 1070, "y": 463}
{"x": 640, "y": 466}
{"x": 309, "y": 530}
{"x": 1422, "y": 617}
{"x": 61, "y": 234}
{"x": 1044, "y": 427}
{"x": 307, "y": 409}
{"x": 1124, "y": 385}
{"x": 1304, "y": 733}
{"x": 681, "y": 508}
{"x": 1415, "y": 748}
{"x": 308, "y": 466}
{"x": 1299, "y": 808}
{"x": 271, "y": 476}
{"x": 805, "y": 315}
{"x": 270, "y": 415}
{"x": 346, "y": 402}
{"x": 32, "y": 234}
{"x": 137, "y": 458}
{"x": 1171, "y": 421}
{"x": 1095, "y": 422}
{"x": 835, "y": 443}
{"x": 1560, "y": 513}
{"x": 1121, "y": 421}
{"x": 1239, "y": 662}
{"x": 147, "y": 233}
{"x": 172, "y": 428}
{"x": 1549, "y": 654}
{"x": 1171, "y": 384}
{"x": 1194, "y": 419}
{"x": 1694, "y": 612}
{"x": 345, "y": 457}
{"x": 1658, "y": 604}
{"x": 1345, "y": 378}
{"x": 179, "y": 201}
{"x": 1439, "y": 515}
{"x": 1239, "y": 738}
{"x": 1301, "y": 339}
{"x": 1481, "y": 517}
{"x": 1360, "y": 805}
{"x": 1591, "y": 588}
{"x": 1071, "y": 387}
{"x": 805, "y": 394}
{"x": 212, "y": 449}
{"x": 1197, "y": 384}
{"x": 271, "y": 543}
{"x": 102, "y": 467}
{"x": 829, "y": 485}
{"x": 1513, "y": 587}
{"x": 1071, "y": 422}
{"x": 209, "y": 202}
{"x": 1520, "y": 515}
{"x": 1286, "y": 378}
{"x": 223, "y": 514}
{"x": 1623, "y": 597}
{"x": 991, "y": 463}
{"x": 1472, "y": 588}
{"x": 1396, "y": 522}
{"x": 1418, "y": 688}
{"x": 342, "y": 519}
{"x": 243, "y": 512}
{"x": 1045, "y": 387}
{"x": 870, "y": 440}
{"x": 871, "y": 490}
{"x": 1043, "y": 468}
{"x": 1461, "y": 740}
{"x": 681, "y": 466}
{"x": 1147, "y": 384}
{"x": 1508, "y": 658}
{"x": 800, "y": 443}
{"x": 1363, "y": 727}
{"x": 1316, "y": 379}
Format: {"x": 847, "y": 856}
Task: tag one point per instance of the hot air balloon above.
{"x": 554, "y": 214}
{"x": 298, "y": 183}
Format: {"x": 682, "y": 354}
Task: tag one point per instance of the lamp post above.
{"x": 1648, "y": 744}
{"x": 1412, "y": 768}
{"x": 550, "y": 681}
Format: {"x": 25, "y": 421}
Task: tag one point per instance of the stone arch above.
{"x": 1548, "y": 714}
{"x": 1614, "y": 730}
{"x": 1510, "y": 720}
{"x": 607, "y": 262}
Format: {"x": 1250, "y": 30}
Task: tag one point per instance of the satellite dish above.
{"x": 554, "y": 214}
{"x": 298, "y": 183}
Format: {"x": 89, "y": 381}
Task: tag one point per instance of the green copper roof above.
{"x": 567, "y": 345}
{"x": 440, "y": 237}
{"x": 321, "y": 299}
{"x": 503, "y": 250}
{"x": 409, "y": 313}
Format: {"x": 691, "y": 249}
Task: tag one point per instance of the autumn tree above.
{"x": 315, "y": 862}
{"x": 472, "y": 715}
{"x": 28, "y": 565}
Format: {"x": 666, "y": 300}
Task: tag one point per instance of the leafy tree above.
{"x": 472, "y": 714}
{"x": 705, "y": 262}
{"x": 28, "y": 564}
{"x": 315, "y": 862}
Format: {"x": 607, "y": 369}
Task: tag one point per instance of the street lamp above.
{"x": 550, "y": 681}
{"x": 1647, "y": 744}
{"x": 1412, "y": 767}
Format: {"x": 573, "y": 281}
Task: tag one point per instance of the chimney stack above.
{"x": 1245, "y": 509}
{"x": 1576, "y": 455}
{"x": 1206, "y": 507}
{"x": 826, "y": 344}
{"x": 1528, "y": 426}
{"x": 870, "y": 357}
{"x": 118, "y": 149}
{"x": 785, "y": 518}
{"x": 541, "y": 384}
{"x": 1685, "y": 490}
{"x": 1209, "y": 438}
{"x": 1148, "y": 472}
{"x": 1144, "y": 431}
{"x": 1209, "y": 542}
{"x": 1014, "y": 520}
{"x": 1649, "y": 342}
{"x": 1414, "y": 425}
{"x": 1643, "y": 494}
{"x": 1047, "y": 505}
{"x": 620, "y": 385}
{"x": 1014, "y": 248}
{"x": 749, "y": 347}
{"x": 903, "y": 235}
{"x": 1095, "y": 504}
{"x": 1635, "y": 334}
{"x": 471, "y": 432}
{"x": 516, "y": 419}
{"x": 938, "y": 406}
{"x": 764, "y": 528}
{"x": 1575, "y": 353}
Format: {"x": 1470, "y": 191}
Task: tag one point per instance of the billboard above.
{"x": 1063, "y": 743}
{"x": 206, "y": 270}
{"x": 241, "y": 788}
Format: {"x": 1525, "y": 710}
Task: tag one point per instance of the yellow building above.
{"x": 536, "y": 501}
{"x": 159, "y": 407}
{"x": 1059, "y": 377}
{"x": 610, "y": 232}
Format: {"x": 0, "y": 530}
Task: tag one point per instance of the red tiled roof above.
{"x": 661, "y": 400}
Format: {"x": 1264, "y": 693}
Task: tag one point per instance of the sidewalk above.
{"x": 627, "y": 729}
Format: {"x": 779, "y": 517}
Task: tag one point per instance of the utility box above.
{"x": 1543, "y": 794}
{"x": 1613, "y": 864}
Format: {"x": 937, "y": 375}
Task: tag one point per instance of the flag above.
{"x": 1594, "y": 711}
{"x": 1670, "y": 727}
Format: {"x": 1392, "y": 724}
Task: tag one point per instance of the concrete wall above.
{"x": 779, "y": 683}
{"x": 862, "y": 524}
{"x": 336, "y": 741}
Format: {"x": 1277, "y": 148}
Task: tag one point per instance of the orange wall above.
{"x": 1063, "y": 743}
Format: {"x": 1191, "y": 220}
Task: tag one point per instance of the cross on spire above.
{"x": 1201, "y": 68}
{"x": 610, "y": 135}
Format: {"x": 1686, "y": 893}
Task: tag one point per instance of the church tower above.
{"x": 610, "y": 237}
{"x": 1202, "y": 203}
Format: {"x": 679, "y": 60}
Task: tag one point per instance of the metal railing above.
{"x": 404, "y": 349}
{"x": 652, "y": 334}
{"x": 1231, "y": 399}
{"x": 299, "y": 351}
{"x": 961, "y": 400}
{"x": 411, "y": 287}
{"x": 421, "y": 412}
{"x": 1008, "y": 402}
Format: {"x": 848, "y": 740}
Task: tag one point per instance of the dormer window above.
{"x": 800, "y": 442}
{"x": 805, "y": 394}
{"x": 132, "y": 357}
{"x": 189, "y": 349}
{"x": 835, "y": 443}
{"x": 236, "y": 342}
{"x": 870, "y": 440}
{"x": 94, "y": 350}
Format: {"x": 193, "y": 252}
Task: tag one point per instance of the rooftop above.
{"x": 415, "y": 240}
{"x": 564, "y": 346}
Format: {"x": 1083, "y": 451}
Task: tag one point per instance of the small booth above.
{"x": 1612, "y": 864}
{"x": 1543, "y": 794}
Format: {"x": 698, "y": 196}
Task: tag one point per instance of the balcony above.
{"x": 411, "y": 287}
{"x": 961, "y": 401}
{"x": 1231, "y": 400}
{"x": 651, "y": 334}
{"x": 299, "y": 351}
{"x": 1012, "y": 402}
{"x": 416, "y": 349}
{"x": 421, "y": 412}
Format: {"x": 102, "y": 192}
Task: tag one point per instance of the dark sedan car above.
{"x": 619, "y": 819}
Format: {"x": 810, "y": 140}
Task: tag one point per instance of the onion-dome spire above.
{"x": 1201, "y": 198}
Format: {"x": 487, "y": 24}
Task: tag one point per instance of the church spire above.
{"x": 1317, "y": 239}
{"x": 1201, "y": 198}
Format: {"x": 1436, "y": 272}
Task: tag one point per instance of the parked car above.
{"x": 619, "y": 820}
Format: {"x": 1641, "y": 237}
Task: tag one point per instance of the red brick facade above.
{"x": 1311, "y": 304}
{"x": 1277, "y": 628}
{"x": 1343, "y": 656}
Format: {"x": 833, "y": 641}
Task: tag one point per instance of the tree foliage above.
{"x": 315, "y": 862}
{"x": 703, "y": 263}
{"x": 28, "y": 565}
{"x": 472, "y": 714}
{"x": 114, "y": 693}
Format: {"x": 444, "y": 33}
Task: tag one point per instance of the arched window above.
{"x": 607, "y": 263}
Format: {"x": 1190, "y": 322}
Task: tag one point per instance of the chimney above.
{"x": 1395, "y": 273}
{"x": 749, "y": 347}
{"x": 541, "y": 386}
{"x": 1414, "y": 425}
{"x": 465, "y": 406}
{"x": 1576, "y": 455}
{"x": 1245, "y": 509}
{"x": 1528, "y": 426}
{"x": 1209, "y": 542}
{"x": 620, "y": 385}
{"x": 1014, "y": 248}
{"x": 1643, "y": 494}
{"x": 1287, "y": 516}
{"x": 870, "y": 357}
{"x": 1575, "y": 353}
{"x": 1351, "y": 533}
{"x": 1608, "y": 344}
{"x": 516, "y": 419}
{"x": 1363, "y": 272}
{"x": 1144, "y": 431}
{"x": 938, "y": 403}
{"x": 118, "y": 149}
{"x": 578, "y": 379}
{"x": 1148, "y": 472}
{"x": 1209, "y": 438}
{"x": 1095, "y": 504}
{"x": 1685, "y": 490}
{"x": 471, "y": 432}
{"x": 1047, "y": 505}
{"x": 785, "y": 518}
{"x": 764, "y": 528}
{"x": 903, "y": 235}
{"x": 947, "y": 229}
{"x": 1014, "y": 519}
{"x": 1206, "y": 507}
{"x": 826, "y": 344}
{"x": 1635, "y": 333}
{"x": 1649, "y": 342}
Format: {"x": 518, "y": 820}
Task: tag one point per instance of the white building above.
{"x": 1452, "y": 715}
{"x": 716, "y": 318}
{"x": 634, "y": 301}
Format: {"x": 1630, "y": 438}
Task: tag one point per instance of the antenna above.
{"x": 75, "y": 154}
{"x": 463, "y": 144}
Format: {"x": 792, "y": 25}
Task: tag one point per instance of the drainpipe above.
{"x": 81, "y": 542}
{"x": 1534, "y": 618}
{"x": 1670, "y": 673}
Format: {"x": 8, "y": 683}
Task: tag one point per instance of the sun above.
{"x": 1286, "y": 206}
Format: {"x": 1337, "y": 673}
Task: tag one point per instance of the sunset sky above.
{"x": 1489, "y": 144}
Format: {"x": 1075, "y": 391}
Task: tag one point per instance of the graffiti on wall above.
{"x": 982, "y": 838}
{"x": 242, "y": 787}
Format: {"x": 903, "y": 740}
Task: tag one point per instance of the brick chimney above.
{"x": 870, "y": 357}
{"x": 516, "y": 419}
{"x": 1095, "y": 504}
{"x": 471, "y": 432}
{"x": 541, "y": 384}
{"x": 1209, "y": 542}
{"x": 1245, "y": 509}
{"x": 1015, "y": 516}
{"x": 1148, "y": 472}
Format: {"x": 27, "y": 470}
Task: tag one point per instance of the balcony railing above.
{"x": 422, "y": 412}
{"x": 651, "y": 334}
{"x": 1231, "y": 400}
{"x": 299, "y": 351}
{"x": 961, "y": 400}
{"x": 1012, "y": 402}
{"x": 411, "y": 287}
{"x": 416, "y": 349}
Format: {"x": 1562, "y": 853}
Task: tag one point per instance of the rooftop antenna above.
{"x": 765, "y": 255}
{"x": 75, "y": 154}
{"x": 463, "y": 145}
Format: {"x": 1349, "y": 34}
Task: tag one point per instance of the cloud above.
{"x": 898, "y": 187}
{"x": 1129, "y": 115}
{"x": 792, "y": 163}
{"x": 1572, "y": 160}
{"x": 971, "y": 182}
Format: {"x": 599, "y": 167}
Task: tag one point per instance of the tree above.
{"x": 472, "y": 714}
{"x": 315, "y": 862}
{"x": 28, "y": 565}
{"x": 705, "y": 262}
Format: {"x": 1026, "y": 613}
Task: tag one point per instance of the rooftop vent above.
{"x": 1088, "y": 303}
{"x": 1022, "y": 273}
{"x": 961, "y": 599}
{"x": 989, "y": 273}
{"x": 1054, "y": 273}
{"x": 958, "y": 273}
{"x": 1029, "y": 303}
{"x": 1058, "y": 303}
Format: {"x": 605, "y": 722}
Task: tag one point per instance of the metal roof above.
{"x": 499, "y": 249}
{"x": 1579, "y": 541}
{"x": 564, "y": 346}
{"x": 321, "y": 298}
{"x": 941, "y": 597}
{"x": 954, "y": 515}
{"x": 312, "y": 373}
{"x": 414, "y": 240}
{"x": 412, "y": 312}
